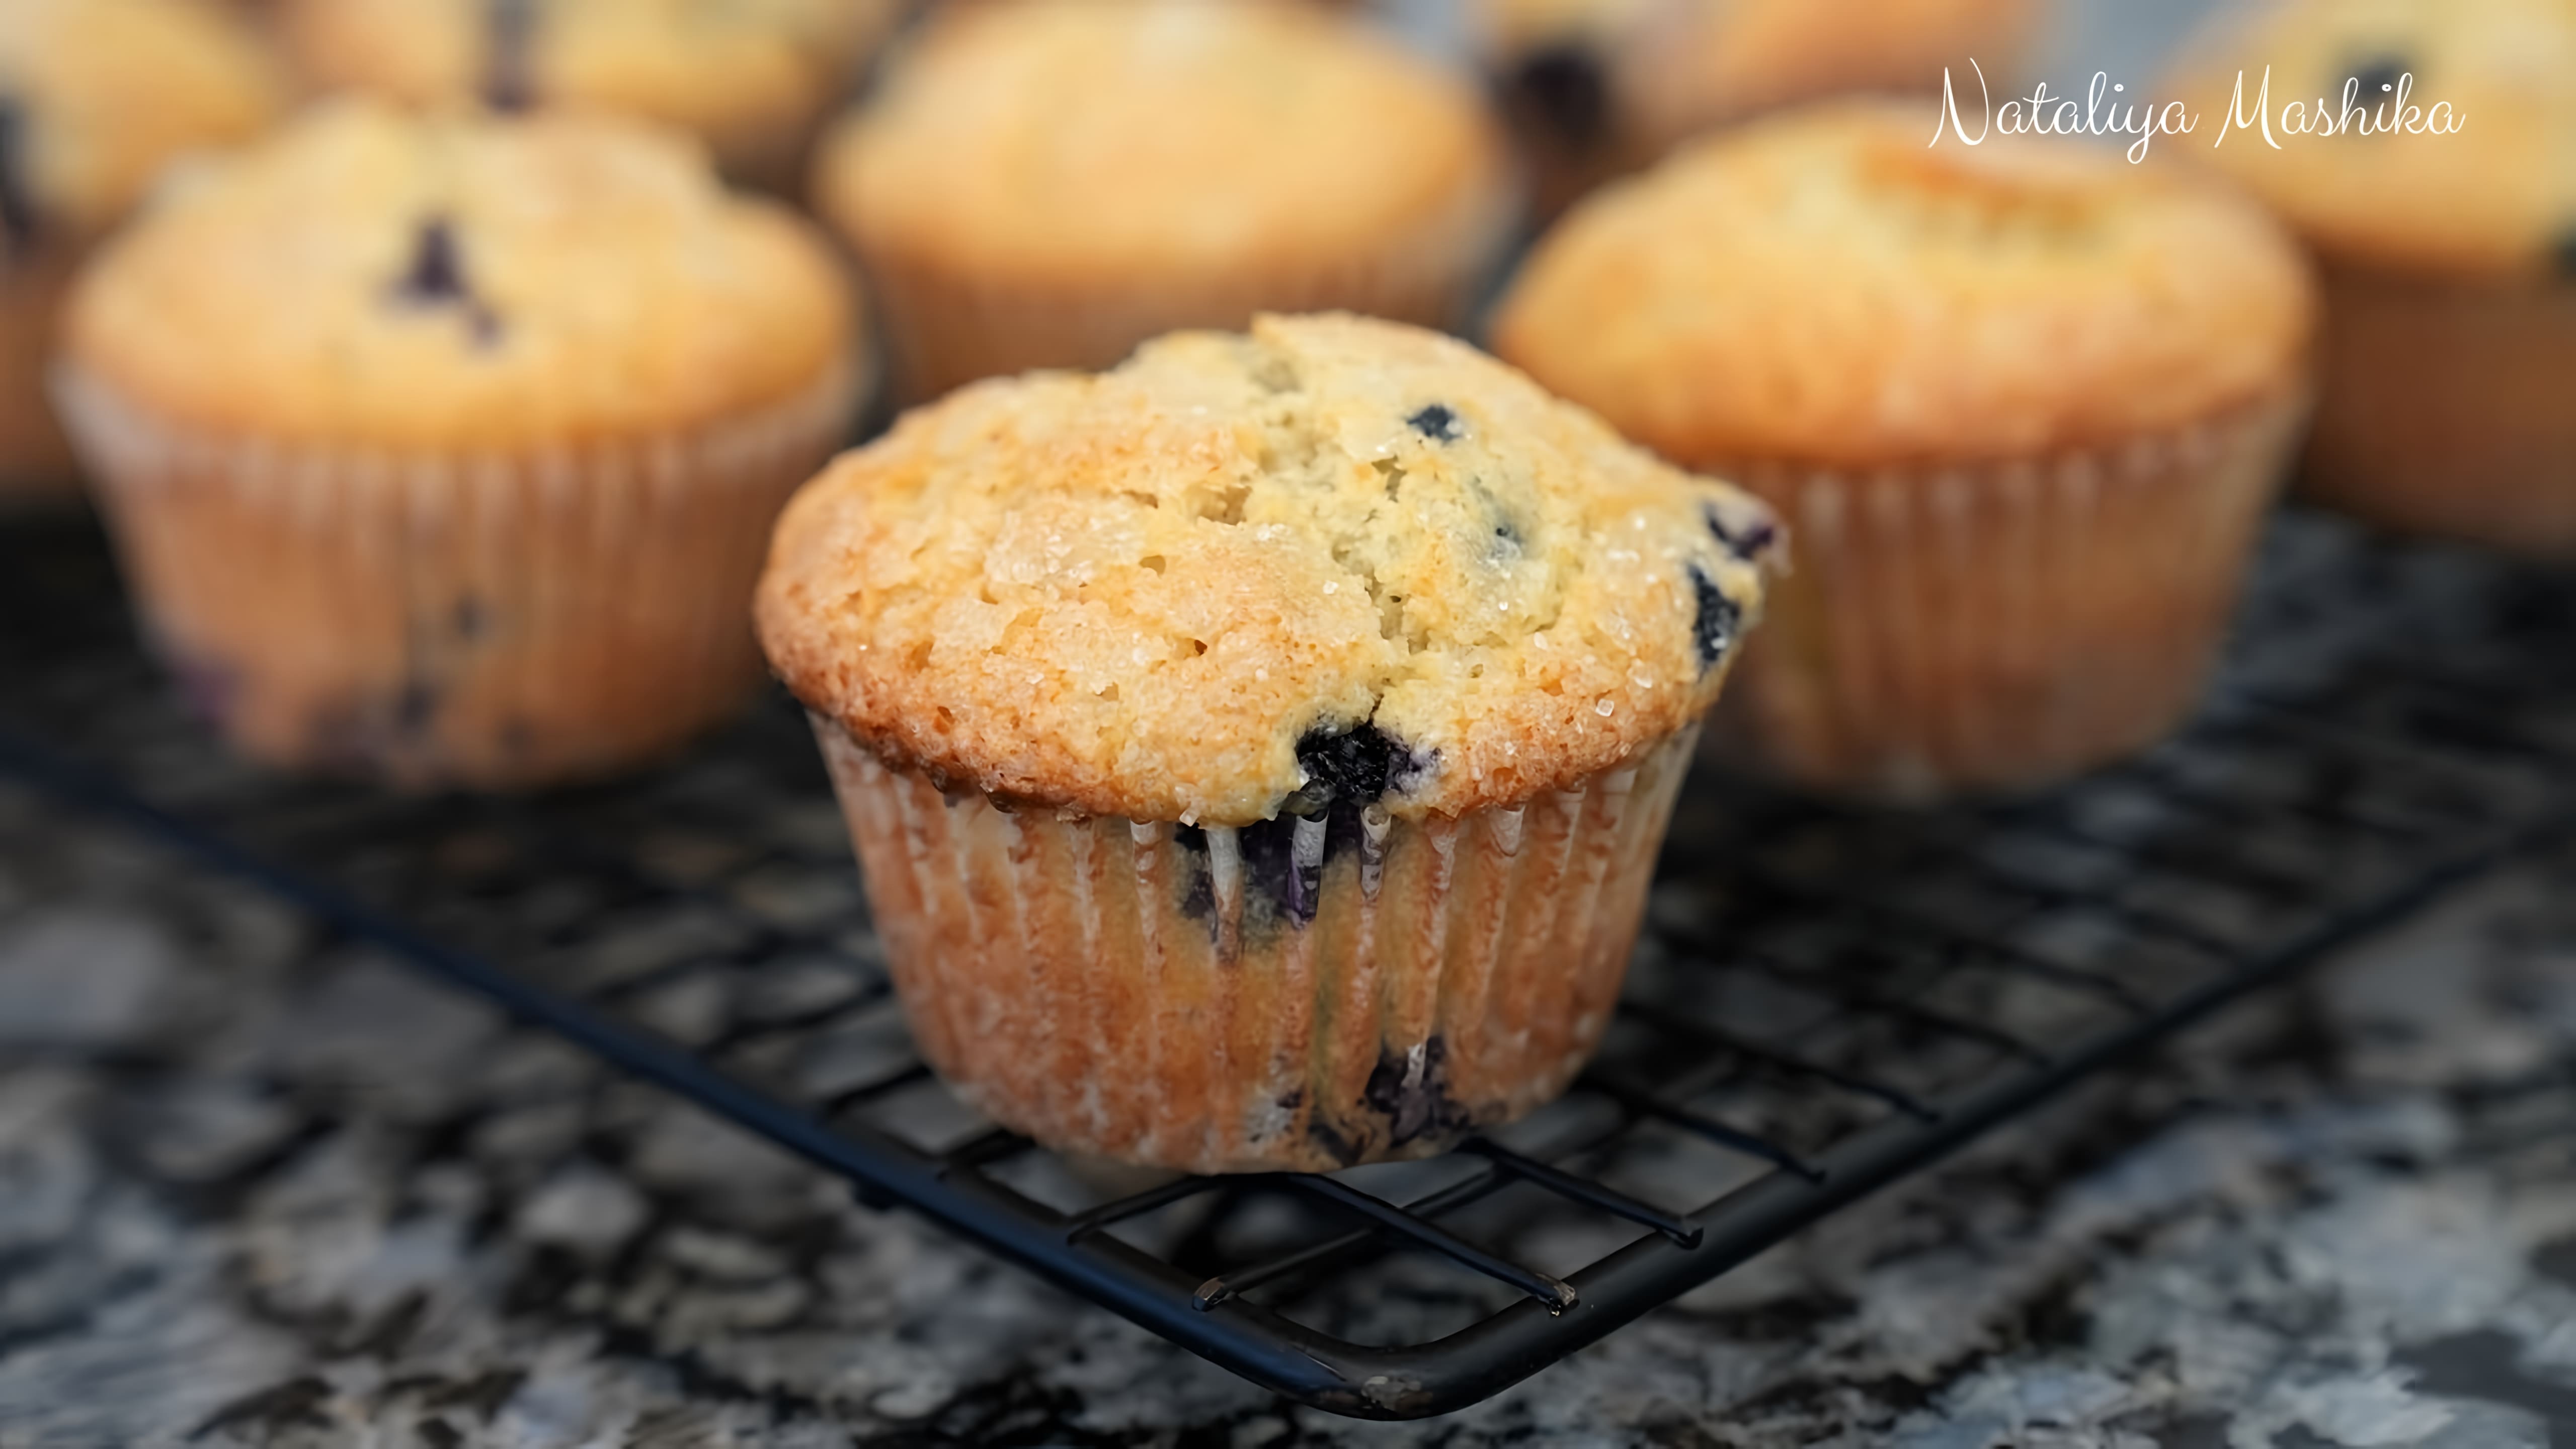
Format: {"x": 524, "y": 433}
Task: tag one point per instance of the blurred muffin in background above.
{"x": 445, "y": 449}
{"x": 2020, "y": 406}
{"x": 2449, "y": 258}
{"x": 1598, "y": 87}
{"x": 96, "y": 98}
{"x": 753, "y": 78}
{"x": 1313, "y": 700}
{"x": 1047, "y": 183}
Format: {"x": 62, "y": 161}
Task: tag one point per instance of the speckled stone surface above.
{"x": 257, "y": 1187}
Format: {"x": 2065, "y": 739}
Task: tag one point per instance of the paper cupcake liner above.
{"x": 1997, "y": 627}
{"x": 947, "y": 326}
{"x": 489, "y": 621}
{"x": 2446, "y": 409}
{"x": 36, "y": 463}
{"x": 1302, "y": 994}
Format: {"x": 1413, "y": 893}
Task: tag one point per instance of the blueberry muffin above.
{"x": 2448, "y": 255}
{"x": 97, "y": 97}
{"x": 1047, "y": 183}
{"x": 2021, "y": 405}
{"x": 1257, "y": 754}
{"x": 752, "y": 78}
{"x": 1598, "y": 87}
{"x": 445, "y": 449}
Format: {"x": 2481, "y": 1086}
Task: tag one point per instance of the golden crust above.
{"x": 741, "y": 75}
{"x": 1824, "y": 288}
{"x": 1063, "y": 142}
{"x": 603, "y": 284}
{"x": 1131, "y": 594}
{"x": 2496, "y": 198}
{"x": 118, "y": 88}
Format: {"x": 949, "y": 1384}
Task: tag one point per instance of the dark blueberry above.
{"x": 414, "y": 706}
{"x": 1411, "y": 1111}
{"x": 437, "y": 273}
{"x": 18, "y": 217}
{"x": 1436, "y": 422}
{"x": 1353, "y": 767}
{"x": 1749, "y": 544}
{"x": 1715, "y": 624}
{"x": 436, "y": 278}
{"x": 2563, "y": 251}
{"x": 2376, "y": 78}
{"x": 509, "y": 71}
{"x": 1508, "y": 543}
{"x": 470, "y": 620}
{"x": 1564, "y": 90}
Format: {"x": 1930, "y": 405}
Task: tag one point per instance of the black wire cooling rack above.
{"x": 1823, "y": 1002}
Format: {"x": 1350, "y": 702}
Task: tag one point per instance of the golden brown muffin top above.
{"x": 2495, "y": 198}
{"x": 738, "y": 73}
{"x": 376, "y": 278}
{"x": 97, "y": 96}
{"x": 1825, "y": 288}
{"x": 1243, "y": 574}
{"x": 1050, "y": 138}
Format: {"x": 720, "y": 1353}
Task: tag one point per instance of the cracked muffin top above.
{"x": 1825, "y": 288}
{"x": 742, "y": 74}
{"x": 1046, "y": 139}
{"x": 98, "y": 96}
{"x": 376, "y": 278}
{"x": 2494, "y": 198}
{"x": 1247, "y": 574}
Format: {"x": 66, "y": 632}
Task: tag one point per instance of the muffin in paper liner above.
{"x": 2445, "y": 407}
{"x": 1257, "y": 754}
{"x": 1304, "y": 993}
{"x": 754, "y": 83}
{"x": 2020, "y": 407}
{"x": 484, "y": 620}
{"x": 100, "y": 100}
{"x": 2000, "y": 626}
{"x": 1049, "y": 183}
{"x": 2438, "y": 195}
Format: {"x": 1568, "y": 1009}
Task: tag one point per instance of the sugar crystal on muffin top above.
{"x": 1238, "y": 577}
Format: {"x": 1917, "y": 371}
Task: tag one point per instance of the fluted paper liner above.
{"x": 1998, "y": 627}
{"x": 494, "y": 620}
{"x": 1302, "y": 994}
{"x": 36, "y": 467}
{"x": 2449, "y": 408}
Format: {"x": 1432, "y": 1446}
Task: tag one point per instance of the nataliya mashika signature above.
{"x": 2371, "y": 105}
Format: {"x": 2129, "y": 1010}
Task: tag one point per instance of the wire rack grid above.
{"x": 1823, "y": 1000}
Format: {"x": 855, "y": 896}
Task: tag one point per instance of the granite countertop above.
{"x": 259, "y": 1187}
